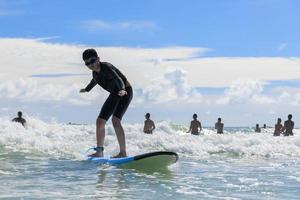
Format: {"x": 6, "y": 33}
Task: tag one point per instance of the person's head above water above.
{"x": 19, "y": 114}
{"x": 290, "y": 116}
{"x": 147, "y": 115}
{"x": 90, "y": 58}
{"x": 195, "y": 116}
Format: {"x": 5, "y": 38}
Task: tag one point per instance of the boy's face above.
{"x": 92, "y": 63}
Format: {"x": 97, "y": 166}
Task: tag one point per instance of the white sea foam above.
{"x": 70, "y": 141}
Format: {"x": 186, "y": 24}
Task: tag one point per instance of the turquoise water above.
{"x": 47, "y": 162}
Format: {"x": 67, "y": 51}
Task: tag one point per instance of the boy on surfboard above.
{"x": 112, "y": 80}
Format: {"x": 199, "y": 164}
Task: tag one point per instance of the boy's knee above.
{"x": 100, "y": 122}
{"x": 116, "y": 121}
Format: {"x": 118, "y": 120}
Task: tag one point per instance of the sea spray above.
{"x": 59, "y": 140}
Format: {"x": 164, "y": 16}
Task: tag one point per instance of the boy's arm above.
{"x": 117, "y": 80}
{"x": 283, "y": 128}
{"x": 153, "y": 126}
{"x": 90, "y": 85}
{"x": 190, "y": 128}
{"x": 144, "y": 127}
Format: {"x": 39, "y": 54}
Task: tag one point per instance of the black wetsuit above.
{"x": 112, "y": 80}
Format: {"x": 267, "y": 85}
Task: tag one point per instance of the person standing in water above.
{"x": 112, "y": 80}
{"x": 19, "y": 119}
{"x": 195, "y": 126}
{"x": 219, "y": 126}
{"x": 149, "y": 125}
{"x": 288, "y": 126}
{"x": 257, "y": 129}
{"x": 278, "y": 128}
{"x": 265, "y": 126}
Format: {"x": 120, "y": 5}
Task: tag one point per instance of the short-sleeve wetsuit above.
{"x": 112, "y": 80}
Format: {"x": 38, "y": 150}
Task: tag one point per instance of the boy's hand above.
{"x": 82, "y": 90}
{"x": 122, "y": 93}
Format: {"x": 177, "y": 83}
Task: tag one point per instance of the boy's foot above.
{"x": 97, "y": 154}
{"x": 120, "y": 155}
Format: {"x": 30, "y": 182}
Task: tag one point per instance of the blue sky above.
{"x": 229, "y": 28}
{"x": 228, "y": 58}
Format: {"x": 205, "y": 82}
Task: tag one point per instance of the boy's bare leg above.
{"x": 120, "y": 136}
{"x": 100, "y": 135}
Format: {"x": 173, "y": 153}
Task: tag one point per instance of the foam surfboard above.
{"x": 158, "y": 159}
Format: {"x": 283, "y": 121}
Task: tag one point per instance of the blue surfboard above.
{"x": 158, "y": 159}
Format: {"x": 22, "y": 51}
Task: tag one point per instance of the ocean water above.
{"x": 47, "y": 161}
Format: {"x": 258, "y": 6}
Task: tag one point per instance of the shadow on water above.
{"x": 145, "y": 173}
{"x": 121, "y": 172}
{"x": 124, "y": 183}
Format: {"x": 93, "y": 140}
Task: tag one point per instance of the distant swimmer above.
{"x": 257, "y": 129}
{"x": 265, "y": 126}
{"x": 19, "y": 119}
{"x": 278, "y": 128}
{"x": 219, "y": 126}
{"x": 120, "y": 94}
{"x": 195, "y": 126}
{"x": 149, "y": 125}
{"x": 288, "y": 126}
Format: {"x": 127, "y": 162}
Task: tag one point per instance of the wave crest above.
{"x": 70, "y": 141}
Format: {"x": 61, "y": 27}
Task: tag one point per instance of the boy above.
{"x": 113, "y": 81}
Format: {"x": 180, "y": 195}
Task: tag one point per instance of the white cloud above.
{"x": 243, "y": 91}
{"x": 22, "y": 58}
{"x": 95, "y": 25}
{"x": 170, "y": 87}
{"x": 251, "y": 91}
{"x": 296, "y": 101}
{"x": 282, "y": 46}
{"x": 263, "y": 99}
{"x": 221, "y": 72}
{"x": 29, "y": 90}
{"x": 164, "y": 80}
{"x": 169, "y": 74}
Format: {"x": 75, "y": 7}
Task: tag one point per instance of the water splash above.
{"x": 70, "y": 141}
